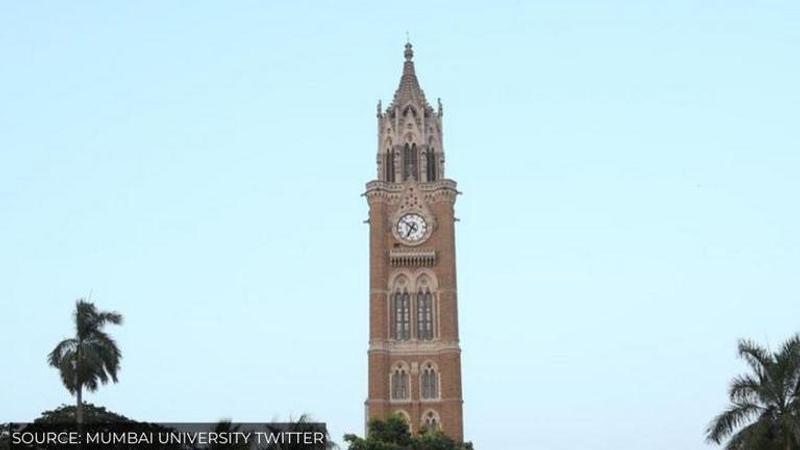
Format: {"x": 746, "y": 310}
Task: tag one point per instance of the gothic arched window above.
{"x": 425, "y": 314}
{"x": 401, "y": 315}
{"x": 431, "y": 164}
{"x": 410, "y": 162}
{"x": 403, "y": 415}
{"x": 390, "y": 165}
{"x": 430, "y": 421}
{"x": 429, "y": 382}
{"x": 406, "y": 161}
{"x": 414, "y": 162}
{"x": 399, "y": 383}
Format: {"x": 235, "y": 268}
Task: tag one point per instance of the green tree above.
{"x": 764, "y": 413}
{"x": 226, "y": 426}
{"x": 393, "y": 434}
{"x": 438, "y": 441}
{"x": 96, "y": 419}
{"x": 91, "y": 414}
{"x": 304, "y": 423}
{"x": 91, "y": 357}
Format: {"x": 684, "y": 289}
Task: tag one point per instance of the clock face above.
{"x": 412, "y": 227}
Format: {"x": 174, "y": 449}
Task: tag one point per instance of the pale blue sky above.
{"x": 630, "y": 178}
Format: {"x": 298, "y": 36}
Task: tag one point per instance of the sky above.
{"x": 629, "y": 173}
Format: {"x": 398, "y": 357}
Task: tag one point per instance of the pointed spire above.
{"x": 409, "y": 89}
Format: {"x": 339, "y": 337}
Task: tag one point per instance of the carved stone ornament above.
{"x": 412, "y": 202}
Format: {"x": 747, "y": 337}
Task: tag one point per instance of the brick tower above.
{"x": 414, "y": 354}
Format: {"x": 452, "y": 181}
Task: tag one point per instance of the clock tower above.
{"x": 414, "y": 353}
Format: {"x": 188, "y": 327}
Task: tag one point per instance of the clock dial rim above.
{"x": 402, "y": 224}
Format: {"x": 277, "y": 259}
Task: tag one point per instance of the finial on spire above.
{"x": 409, "y": 85}
{"x": 409, "y": 54}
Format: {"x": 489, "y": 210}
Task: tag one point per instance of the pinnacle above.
{"x": 409, "y": 88}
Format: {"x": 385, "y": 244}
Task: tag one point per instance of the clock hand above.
{"x": 412, "y": 227}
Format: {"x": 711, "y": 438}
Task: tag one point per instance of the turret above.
{"x": 410, "y": 132}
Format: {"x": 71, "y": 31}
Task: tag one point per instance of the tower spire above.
{"x": 409, "y": 89}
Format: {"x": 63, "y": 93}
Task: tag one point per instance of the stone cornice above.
{"x": 414, "y": 347}
{"x": 413, "y": 257}
{"x": 391, "y": 193}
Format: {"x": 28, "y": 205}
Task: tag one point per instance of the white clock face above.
{"x": 412, "y": 227}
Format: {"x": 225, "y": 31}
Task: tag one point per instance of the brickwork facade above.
{"x": 414, "y": 353}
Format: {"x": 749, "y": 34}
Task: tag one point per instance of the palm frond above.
{"x": 765, "y": 405}
{"x": 744, "y": 388}
{"x": 756, "y": 356}
{"x": 92, "y": 357}
{"x": 67, "y": 346}
{"x": 728, "y": 421}
{"x": 791, "y": 346}
{"x": 66, "y": 369}
{"x": 748, "y": 437}
{"x": 112, "y": 317}
{"x": 789, "y": 355}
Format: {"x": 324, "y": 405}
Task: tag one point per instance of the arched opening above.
{"x": 425, "y": 315}
{"x": 398, "y": 381}
{"x": 431, "y": 164}
{"x": 431, "y": 421}
{"x": 429, "y": 382}
{"x": 389, "y": 170}
{"x": 410, "y": 163}
{"x": 403, "y": 415}
{"x": 401, "y": 314}
{"x": 426, "y": 310}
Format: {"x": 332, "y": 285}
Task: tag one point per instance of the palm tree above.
{"x": 91, "y": 357}
{"x": 304, "y": 423}
{"x": 225, "y": 426}
{"x": 765, "y": 404}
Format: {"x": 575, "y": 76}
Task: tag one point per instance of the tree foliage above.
{"x": 394, "y": 434}
{"x": 91, "y": 357}
{"x": 92, "y": 414}
{"x": 98, "y": 418}
{"x": 764, "y": 410}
